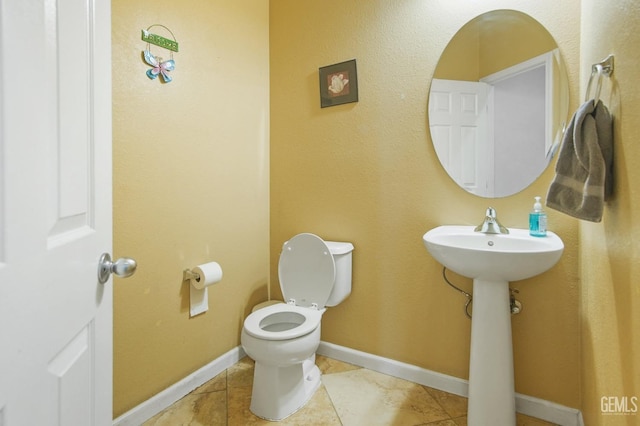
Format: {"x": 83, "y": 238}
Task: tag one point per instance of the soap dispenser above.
{"x": 537, "y": 220}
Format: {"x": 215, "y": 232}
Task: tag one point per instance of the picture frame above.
{"x": 338, "y": 84}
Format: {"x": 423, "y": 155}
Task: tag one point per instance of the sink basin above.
{"x": 502, "y": 257}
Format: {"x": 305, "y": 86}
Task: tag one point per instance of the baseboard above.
{"x": 527, "y": 405}
{"x": 175, "y": 392}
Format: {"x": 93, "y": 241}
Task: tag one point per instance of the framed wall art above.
{"x": 338, "y": 84}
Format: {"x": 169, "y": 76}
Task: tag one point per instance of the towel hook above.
{"x": 602, "y": 68}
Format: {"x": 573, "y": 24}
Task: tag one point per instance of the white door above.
{"x": 55, "y": 212}
{"x": 459, "y": 129}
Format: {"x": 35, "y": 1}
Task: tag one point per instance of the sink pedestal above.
{"x": 491, "y": 383}
{"x": 492, "y": 260}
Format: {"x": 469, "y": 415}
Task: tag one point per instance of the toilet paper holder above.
{"x": 188, "y": 274}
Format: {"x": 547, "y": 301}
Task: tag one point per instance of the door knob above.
{"x": 123, "y": 267}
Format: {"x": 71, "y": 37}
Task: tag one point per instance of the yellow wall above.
{"x": 485, "y": 46}
{"x": 460, "y": 60}
{"x": 191, "y": 184}
{"x": 191, "y": 177}
{"x": 522, "y": 39}
{"x": 610, "y": 251}
{"x": 367, "y": 173}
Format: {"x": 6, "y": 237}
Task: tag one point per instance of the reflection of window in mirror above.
{"x": 500, "y": 56}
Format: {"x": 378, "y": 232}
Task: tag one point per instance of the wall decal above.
{"x": 159, "y": 66}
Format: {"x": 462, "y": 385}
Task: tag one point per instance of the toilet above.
{"x": 282, "y": 338}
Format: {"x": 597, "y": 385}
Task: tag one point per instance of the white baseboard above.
{"x": 175, "y": 392}
{"x": 394, "y": 368}
{"x": 527, "y": 405}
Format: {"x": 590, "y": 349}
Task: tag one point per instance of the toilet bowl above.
{"x": 282, "y": 338}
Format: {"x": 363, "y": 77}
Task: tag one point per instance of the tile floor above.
{"x": 349, "y": 396}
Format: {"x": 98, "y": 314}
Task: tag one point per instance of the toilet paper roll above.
{"x": 209, "y": 273}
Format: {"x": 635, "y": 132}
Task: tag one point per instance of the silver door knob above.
{"x": 123, "y": 267}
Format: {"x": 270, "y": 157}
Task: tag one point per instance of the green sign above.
{"x": 159, "y": 41}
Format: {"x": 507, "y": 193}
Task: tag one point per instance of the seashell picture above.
{"x": 338, "y": 84}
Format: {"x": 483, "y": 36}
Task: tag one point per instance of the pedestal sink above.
{"x": 492, "y": 260}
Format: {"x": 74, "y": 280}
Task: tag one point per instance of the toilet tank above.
{"x": 341, "y": 252}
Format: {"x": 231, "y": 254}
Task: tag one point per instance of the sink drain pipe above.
{"x": 515, "y": 306}
{"x": 467, "y": 295}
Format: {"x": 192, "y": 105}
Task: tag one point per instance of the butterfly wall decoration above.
{"x": 158, "y": 66}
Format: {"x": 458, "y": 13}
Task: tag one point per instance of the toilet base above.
{"x": 279, "y": 392}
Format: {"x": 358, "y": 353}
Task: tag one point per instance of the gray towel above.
{"x": 583, "y": 178}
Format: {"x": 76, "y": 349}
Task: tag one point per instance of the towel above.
{"x": 583, "y": 179}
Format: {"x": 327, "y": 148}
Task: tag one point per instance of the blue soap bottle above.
{"x": 537, "y": 220}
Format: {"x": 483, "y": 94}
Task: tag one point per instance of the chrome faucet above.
{"x": 490, "y": 225}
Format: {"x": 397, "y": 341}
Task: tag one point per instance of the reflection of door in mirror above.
{"x": 494, "y": 135}
{"x": 457, "y": 118}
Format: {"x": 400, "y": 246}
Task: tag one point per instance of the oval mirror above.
{"x": 498, "y": 103}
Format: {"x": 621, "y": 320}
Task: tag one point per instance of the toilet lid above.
{"x": 307, "y": 270}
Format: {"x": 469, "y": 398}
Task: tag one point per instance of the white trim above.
{"x": 527, "y": 405}
{"x": 544, "y": 60}
{"x": 394, "y": 368}
{"x": 547, "y": 410}
{"x": 175, "y": 392}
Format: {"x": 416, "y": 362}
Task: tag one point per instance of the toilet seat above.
{"x": 307, "y": 271}
{"x": 282, "y": 322}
